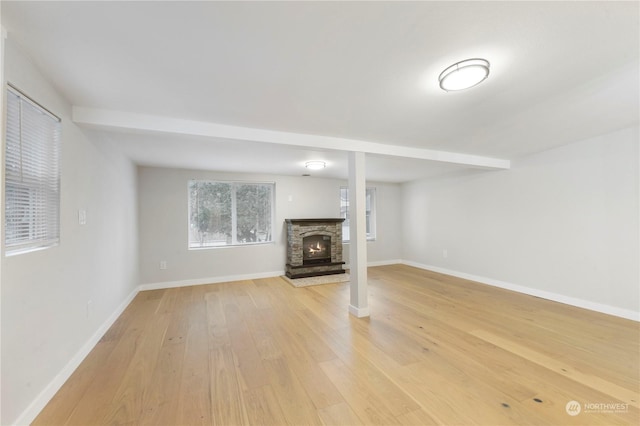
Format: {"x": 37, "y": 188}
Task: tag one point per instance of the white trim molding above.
{"x": 378, "y": 263}
{"x": 359, "y": 312}
{"x": 561, "y": 298}
{"x": 210, "y": 280}
{"x": 384, "y": 262}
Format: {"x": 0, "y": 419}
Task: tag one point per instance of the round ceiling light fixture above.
{"x": 315, "y": 165}
{"x": 464, "y": 74}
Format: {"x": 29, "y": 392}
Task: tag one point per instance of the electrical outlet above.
{"x": 445, "y": 253}
{"x": 82, "y": 217}
{"x": 163, "y": 264}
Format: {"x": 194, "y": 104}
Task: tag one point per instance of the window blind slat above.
{"x": 32, "y": 175}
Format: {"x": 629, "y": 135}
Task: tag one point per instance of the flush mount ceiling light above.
{"x": 464, "y": 74}
{"x": 315, "y": 165}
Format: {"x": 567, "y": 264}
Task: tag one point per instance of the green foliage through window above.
{"x": 229, "y": 213}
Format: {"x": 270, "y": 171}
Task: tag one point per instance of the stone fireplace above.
{"x": 314, "y": 247}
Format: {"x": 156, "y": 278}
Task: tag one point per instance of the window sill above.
{"x": 16, "y": 252}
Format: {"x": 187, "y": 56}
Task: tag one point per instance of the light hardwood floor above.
{"x": 436, "y": 350}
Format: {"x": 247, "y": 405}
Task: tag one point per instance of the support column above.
{"x": 3, "y": 36}
{"x": 359, "y": 302}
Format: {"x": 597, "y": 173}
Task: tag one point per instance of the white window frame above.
{"x": 370, "y": 196}
{"x": 31, "y": 213}
{"x": 234, "y": 218}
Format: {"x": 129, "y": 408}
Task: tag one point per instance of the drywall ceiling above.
{"x": 367, "y": 71}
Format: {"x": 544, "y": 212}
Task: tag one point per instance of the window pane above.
{"x": 253, "y": 206}
{"x": 209, "y": 214}
{"x": 369, "y": 213}
{"x": 229, "y": 213}
{"x": 368, "y": 202}
{"x": 344, "y": 212}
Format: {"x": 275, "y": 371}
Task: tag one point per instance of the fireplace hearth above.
{"x": 314, "y": 247}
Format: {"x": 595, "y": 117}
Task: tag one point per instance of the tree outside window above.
{"x": 229, "y": 213}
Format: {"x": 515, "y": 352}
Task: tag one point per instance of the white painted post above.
{"x": 359, "y": 303}
{"x": 3, "y": 36}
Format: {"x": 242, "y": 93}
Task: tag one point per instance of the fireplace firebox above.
{"x": 314, "y": 247}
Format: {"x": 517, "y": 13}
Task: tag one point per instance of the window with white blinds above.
{"x": 32, "y": 176}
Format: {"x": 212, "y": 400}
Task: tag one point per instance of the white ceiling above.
{"x": 367, "y": 71}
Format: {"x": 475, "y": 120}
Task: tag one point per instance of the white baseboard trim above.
{"x": 210, "y": 280}
{"x": 32, "y": 411}
{"x": 378, "y": 263}
{"x": 384, "y": 262}
{"x": 359, "y": 312}
{"x": 567, "y": 300}
{"x": 229, "y": 278}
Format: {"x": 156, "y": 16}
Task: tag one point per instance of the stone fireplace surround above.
{"x": 297, "y": 230}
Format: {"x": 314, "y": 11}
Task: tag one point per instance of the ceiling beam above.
{"x": 151, "y": 123}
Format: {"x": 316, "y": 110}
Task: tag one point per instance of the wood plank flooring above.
{"x": 436, "y": 350}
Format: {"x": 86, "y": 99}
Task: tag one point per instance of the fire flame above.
{"x": 315, "y": 249}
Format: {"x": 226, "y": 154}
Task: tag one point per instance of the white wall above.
{"x": 163, "y": 218}
{"x": 45, "y": 324}
{"x": 562, "y": 222}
